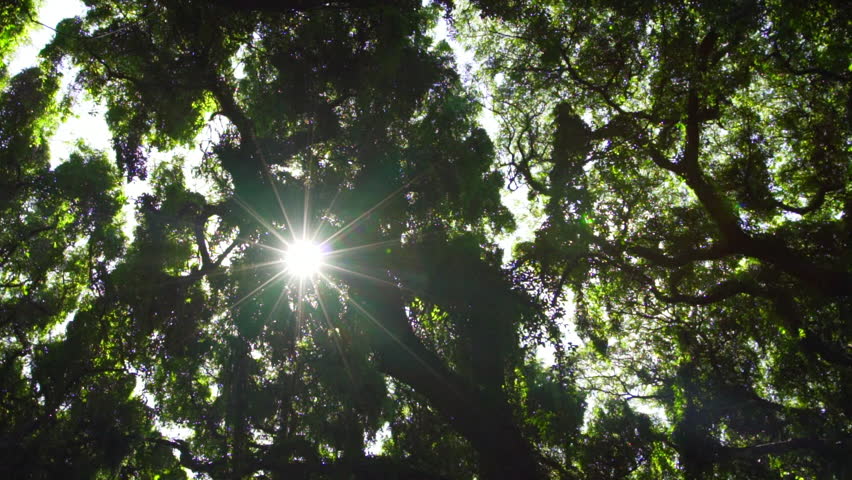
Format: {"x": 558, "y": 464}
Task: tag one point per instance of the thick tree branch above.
{"x": 787, "y": 66}
{"x": 812, "y": 206}
{"x": 7, "y": 251}
{"x": 719, "y": 292}
{"x": 735, "y": 240}
{"x": 820, "y": 446}
{"x": 484, "y": 420}
{"x": 716, "y": 251}
{"x": 188, "y": 460}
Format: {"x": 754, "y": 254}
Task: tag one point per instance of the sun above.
{"x": 303, "y": 259}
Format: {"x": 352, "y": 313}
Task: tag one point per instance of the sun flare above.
{"x": 303, "y": 259}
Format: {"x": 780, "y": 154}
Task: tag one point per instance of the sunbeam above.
{"x": 321, "y": 224}
{"x": 370, "y": 210}
{"x": 269, "y": 227}
{"x": 364, "y": 275}
{"x": 334, "y": 339}
{"x": 381, "y": 243}
{"x": 259, "y": 288}
{"x": 305, "y": 260}
{"x": 390, "y": 334}
{"x": 244, "y": 268}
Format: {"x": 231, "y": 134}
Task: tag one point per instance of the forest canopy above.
{"x": 292, "y": 260}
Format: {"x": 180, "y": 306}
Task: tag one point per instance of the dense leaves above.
{"x": 687, "y": 164}
{"x": 694, "y": 164}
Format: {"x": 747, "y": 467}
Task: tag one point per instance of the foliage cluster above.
{"x": 693, "y": 164}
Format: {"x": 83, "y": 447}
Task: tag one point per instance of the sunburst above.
{"x": 304, "y": 259}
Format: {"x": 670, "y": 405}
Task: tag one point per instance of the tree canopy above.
{"x": 311, "y": 283}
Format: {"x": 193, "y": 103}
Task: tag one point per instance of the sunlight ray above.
{"x": 370, "y": 210}
{"x": 260, "y": 287}
{"x": 381, "y": 243}
{"x": 390, "y": 334}
{"x": 268, "y": 173}
{"x": 283, "y": 210}
{"x": 331, "y": 327}
{"x": 264, "y": 223}
{"x": 306, "y": 204}
{"x": 279, "y": 251}
{"x": 220, "y": 272}
{"x": 243, "y": 268}
{"x": 300, "y": 302}
{"x": 368, "y": 277}
{"x": 275, "y": 306}
{"x": 323, "y": 218}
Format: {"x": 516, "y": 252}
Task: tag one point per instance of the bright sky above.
{"x": 50, "y": 14}
{"x": 89, "y": 121}
{"x": 87, "y": 118}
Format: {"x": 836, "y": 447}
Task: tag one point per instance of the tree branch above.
{"x": 821, "y": 446}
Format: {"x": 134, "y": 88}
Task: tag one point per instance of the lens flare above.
{"x": 303, "y": 259}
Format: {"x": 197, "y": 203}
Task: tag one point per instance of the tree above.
{"x": 193, "y": 345}
{"x": 693, "y": 163}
